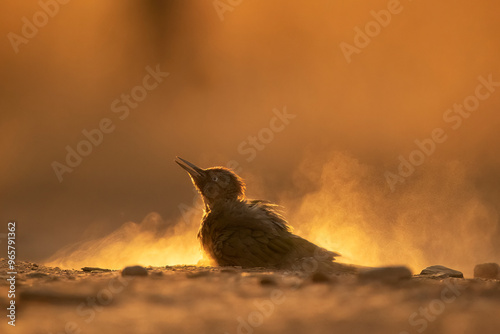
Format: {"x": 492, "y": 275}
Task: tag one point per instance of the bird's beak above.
{"x": 196, "y": 172}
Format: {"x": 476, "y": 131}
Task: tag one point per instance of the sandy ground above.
{"x": 189, "y": 299}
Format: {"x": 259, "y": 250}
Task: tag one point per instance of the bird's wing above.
{"x": 252, "y": 246}
{"x": 256, "y": 235}
{"x": 251, "y": 242}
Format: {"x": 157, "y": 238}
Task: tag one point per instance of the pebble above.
{"x": 320, "y": 277}
{"x": 36, "y": 275}
{"x": 229, "y": 270}
{"x": 268, "y": 281}
{"x": 96, "y": 269}
{"x": 196, "y": 274}
{"x": 442, "y": 272}
{"x": 134, "y": 271}
{"x": 52, "y": 297}
{"x": 487, "y": 270}
{"x": 385, "y": 274}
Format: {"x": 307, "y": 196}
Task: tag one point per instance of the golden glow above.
{"x": 346, "y": 214}
{"x": 353, "y": 121}
{"x": 432, "y": 223}
{"x": 135, "y": 244}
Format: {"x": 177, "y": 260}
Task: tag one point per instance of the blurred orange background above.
{"x": 353, "y": 120}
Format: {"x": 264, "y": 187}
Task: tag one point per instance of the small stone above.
{"x": 94, "y": 269}
{"x": 268, "y": 280}
{"x": 36, "y": 275}
{"x": 320, "y": 277}
{"x": 487, "y": 270}
{"x": 53, "y": 297}
{"x": 134, "y": 271}
{"x": 442, "y": 271}
{"x": 385, "y": 274}
{"x": 229, "y": 270}
{"x": 196, "y": 274}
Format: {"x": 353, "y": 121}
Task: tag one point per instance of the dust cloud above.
{"x": 442, "y": 220}
{"x": 152, "y": 242}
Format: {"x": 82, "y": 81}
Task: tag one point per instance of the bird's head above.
{"x": 214, "y": 184}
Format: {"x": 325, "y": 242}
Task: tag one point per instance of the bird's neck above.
{"x": 220, "y": 203}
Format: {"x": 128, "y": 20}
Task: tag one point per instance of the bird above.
{"x": 236, "y": 231}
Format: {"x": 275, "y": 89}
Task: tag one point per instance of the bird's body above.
{"x": 254, "y": 234}
{"x": 250, "y": 233}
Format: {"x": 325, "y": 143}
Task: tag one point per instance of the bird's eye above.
{"x": 215, "y": 179}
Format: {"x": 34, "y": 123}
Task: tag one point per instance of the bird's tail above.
{"x": 337, "y": 268}
{"x": 313, "y": 258}
{"x": 327, "y": 266}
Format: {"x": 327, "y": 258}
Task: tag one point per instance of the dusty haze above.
{"x": 128, "y": 202}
